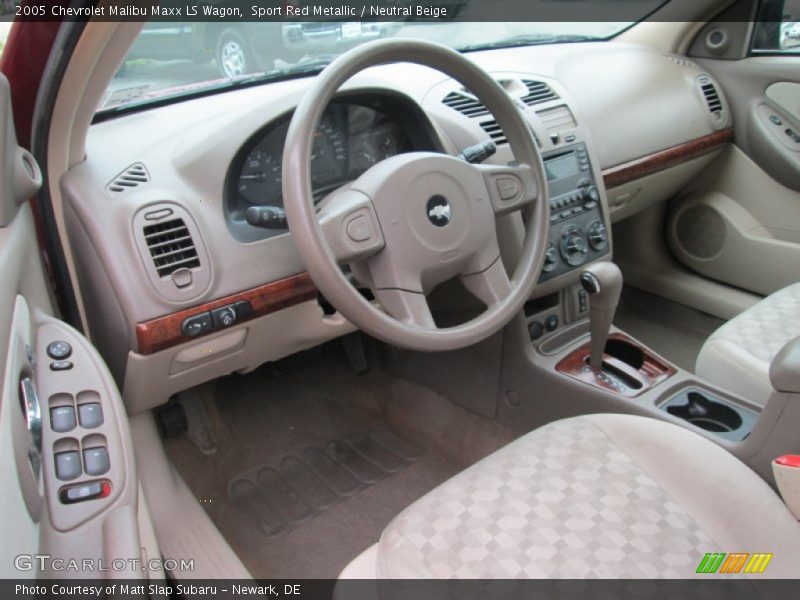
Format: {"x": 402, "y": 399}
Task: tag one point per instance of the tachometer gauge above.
{"x": 260, "y": 180}
{"x": 328, "y": 155}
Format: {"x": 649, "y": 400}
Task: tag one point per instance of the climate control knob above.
{"x": 573, "y": 245}
{"x": 598, "y": 236}
{"x": 550, "y": 259}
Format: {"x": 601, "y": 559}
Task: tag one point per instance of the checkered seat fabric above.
{"x": 601, "y": 496}
{"x": 737, "y": 356}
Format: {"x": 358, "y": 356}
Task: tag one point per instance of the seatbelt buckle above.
{"x": 786, "y": 469}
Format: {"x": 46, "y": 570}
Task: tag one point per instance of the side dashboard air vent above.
{"x": 132, "y": 177}
{"x": 538, "y": 92}
{"x": 495, "y": 132}
{"x": 465, "y": 104}
{"x": 171, "y": 246}
{"x": 557, "y": 119}
{"x": 711, "y": 95}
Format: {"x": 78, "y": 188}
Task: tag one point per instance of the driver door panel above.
{"x": 44, "y": 508}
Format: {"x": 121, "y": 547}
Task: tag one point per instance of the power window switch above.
{"x": 90, "y": 415}
{"x": 62, "y": 418}
{"x": 68, "y": 465}
{"x": 95, "y": 461}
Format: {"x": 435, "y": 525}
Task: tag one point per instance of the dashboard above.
{"x": 355, "y": 133}
{"x": 175, "y": 247}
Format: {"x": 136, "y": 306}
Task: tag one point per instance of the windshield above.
{"x": 173, "y": 59}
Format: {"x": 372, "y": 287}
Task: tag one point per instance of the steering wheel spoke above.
{"x": 510, "y": 187}
{"x": 490, "y": 286}
{"x": 406, "y": 306}
{"x": 350, "y": 225}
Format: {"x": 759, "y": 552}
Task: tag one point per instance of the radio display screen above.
{"x": 561, "y": 166}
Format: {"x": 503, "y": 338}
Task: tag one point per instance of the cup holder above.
{"x": 708, "y": 412}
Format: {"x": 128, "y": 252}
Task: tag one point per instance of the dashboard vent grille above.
{"x": 466, "y": 105}
{"x": 132, "y": 177}
{"x": 557, "y": 119}
{"x": 712, "y": 97}
{"x": 495, "y": 132}
{"x": 538, "y": 92}
{"x": 171, "y": 246}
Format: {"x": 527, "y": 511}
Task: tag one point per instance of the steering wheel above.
{"x": 415, "y": 220}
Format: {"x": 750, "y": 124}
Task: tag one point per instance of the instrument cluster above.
{"x": 349, "y": 140}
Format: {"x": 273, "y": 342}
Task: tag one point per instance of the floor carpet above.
{"x": 675, "y": 331}
{"x": 313, "y": 463}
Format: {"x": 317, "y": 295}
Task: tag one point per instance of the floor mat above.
{"x": 327, "y": 459}
{"x": 674, "y": 330}
{"x": 307, "y": 482}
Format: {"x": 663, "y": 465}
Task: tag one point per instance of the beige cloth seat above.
{"x": 737, "y": 356}
{"x": 608, "y": 496}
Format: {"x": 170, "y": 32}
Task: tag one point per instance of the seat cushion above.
{"x": 737, "y": 356}
{"x": 608, "y": 496}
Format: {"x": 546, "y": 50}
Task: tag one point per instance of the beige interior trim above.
{"x": 182, "y": 527}
{"x": 97, "y": 56}
{"x": 786, "y": 94}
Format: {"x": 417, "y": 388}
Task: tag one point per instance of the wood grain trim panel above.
{"x": 652, "y": 163}
{"x": 652, "y": 372}
{"x": 164, "y": 332}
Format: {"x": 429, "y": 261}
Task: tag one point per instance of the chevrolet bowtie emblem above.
{"x": 439, "y": 211}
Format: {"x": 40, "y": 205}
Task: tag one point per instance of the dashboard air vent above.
{"x": 557, "y": 119}
{"x": 171, "y": 246}
{"x": 132, "y": 177}
{"x": 466, "y": 105}
{"x": 712, "y": 97}
{"x": 495, "y": 132}
{"x": 538, "y": 92}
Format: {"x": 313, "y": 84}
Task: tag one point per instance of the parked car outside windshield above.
{"x": 170, "y": 59}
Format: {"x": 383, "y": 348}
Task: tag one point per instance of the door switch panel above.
{"x": 86, "y": 460}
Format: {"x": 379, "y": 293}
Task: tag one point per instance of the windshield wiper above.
{"x": 529, "y": 40}
{"x": 306, "y": 66}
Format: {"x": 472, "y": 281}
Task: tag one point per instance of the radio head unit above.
{"x": 578, "y": 233}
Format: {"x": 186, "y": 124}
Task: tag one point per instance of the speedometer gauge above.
{"x": 328, "y": 155}
{"x": 260, "y": 181}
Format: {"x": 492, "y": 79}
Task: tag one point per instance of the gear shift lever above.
{"x": 603, "y": 282}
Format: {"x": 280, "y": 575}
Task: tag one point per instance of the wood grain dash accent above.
{"x": 653, "y": 163}
{"x": 652, "y": 371}
{"x": 165, "y": 332}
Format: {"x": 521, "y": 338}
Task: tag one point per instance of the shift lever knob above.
{"x": 603, "y": 282}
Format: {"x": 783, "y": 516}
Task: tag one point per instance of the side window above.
{"x": 778, "y": 28}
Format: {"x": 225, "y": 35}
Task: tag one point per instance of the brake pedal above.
{"x": 353, "y": 345}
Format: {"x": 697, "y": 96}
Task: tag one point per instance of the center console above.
{"x": 578, "y": 232}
